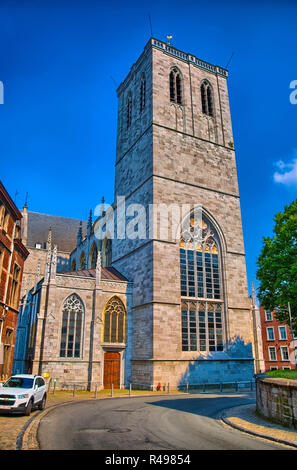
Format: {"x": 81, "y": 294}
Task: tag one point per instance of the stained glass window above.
{"x": 72, "y": 328}
{"x": 202, "y": 307}
{"x": 114, "y": 321}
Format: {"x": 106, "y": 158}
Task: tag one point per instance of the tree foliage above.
{"x": 277, "y": 266}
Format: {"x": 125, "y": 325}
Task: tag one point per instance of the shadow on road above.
{"x": 206, "y": 406}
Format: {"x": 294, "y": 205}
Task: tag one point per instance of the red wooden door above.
{"x": 112, "y": 361}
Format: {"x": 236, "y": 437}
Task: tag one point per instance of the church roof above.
{"x": 64, "y": 230}
{"x": 110, "y": 274}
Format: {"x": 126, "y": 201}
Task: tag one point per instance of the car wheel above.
{"x": 42, "y": 403}
{"x": 28, "y": 408}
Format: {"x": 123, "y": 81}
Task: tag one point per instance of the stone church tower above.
{"x": 191, "y": 310}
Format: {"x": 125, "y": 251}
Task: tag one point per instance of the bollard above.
{"x": 168, "y": 388}
{"x": 54, "y": 390}
{"x": 74, "y": 390}
{"x": 96, "y": 388}
{"x": 111, "y": 390}
{"x": 130, "y": 390}
{"x": 187, "y": 388}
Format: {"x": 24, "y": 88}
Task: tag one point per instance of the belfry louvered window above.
{"x": 129, "y": 110}
{"x": 202, "y": 306}
{"x": 175, "y": 86}
{"x": 142, "y": 93}
{"x": 72, "y": 327}
{"x": 207, "y": 98}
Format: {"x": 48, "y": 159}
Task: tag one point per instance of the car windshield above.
{"x": 19, "y": 382}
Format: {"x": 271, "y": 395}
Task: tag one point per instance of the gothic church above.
{"x": 153, "y": 309}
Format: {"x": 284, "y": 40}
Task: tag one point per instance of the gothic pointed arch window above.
{"x": 175, "y": 86}
{"x": 106, "y": 252}
{"x": 114, "y": 321}
{"x": 93, "y": 256}
{"x": 129, "y": 110}
{"x": 142, "y": 93}
{"x": 202, "y": 297}
{"x": 207, "y": 98}
{"x": 82, "y": 261}
{"x": 72, "y": 327}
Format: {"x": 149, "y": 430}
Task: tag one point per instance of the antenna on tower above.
{"x": 115, "y": 83}
{"x": 229, "y": 60}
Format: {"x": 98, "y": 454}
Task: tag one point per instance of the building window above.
{"x": 93, "y": 256}
{"x": 72, "y": 327}
{"x": 82, "y": 261}
{"x": 284, "y": 353}
{"x": 142, "y": 93}
{"x": 6, "y": 221}
{"x": 201, "y": 280}
{"x": 286, "y": 368}
{"x": 272, "y": 353}
{"x": 270, "y": 333}
{"x": 175, "y": 86}
{"x": 273, "y": 368}
{"x": 207, "y": 98}
{"x": 129, "y": 110}
{"x": 7, "y": 352}
{"x": 282, "y": 332}
{"x": 14, "y": 297}
{"x": 268, "y": 315}
{"x": 114, "y": 321}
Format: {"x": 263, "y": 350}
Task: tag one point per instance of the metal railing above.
{"x": 218, "y": 387}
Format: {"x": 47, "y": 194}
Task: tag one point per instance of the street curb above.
{"x": 257, "y": 434}
{"x": 25, "y": 433}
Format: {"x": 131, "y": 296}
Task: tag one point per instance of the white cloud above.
{"x": 287, "y": 173}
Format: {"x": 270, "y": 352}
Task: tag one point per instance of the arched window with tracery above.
{"x": 93, "y": 256}
{"x": 175, "y": 86}
{"x": 114, "y": 321}
{"x": 106, "y": 252}
{"x": 82, "y": 261}
{"x": 202, "y": 298}
{"x": 142, "y": 92}
{"x": 129, "y": 110}
{"x": 72, "y": 327}
{"x": 207, "y": 98}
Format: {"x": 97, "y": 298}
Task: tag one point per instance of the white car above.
{"x": 23, "y": 392}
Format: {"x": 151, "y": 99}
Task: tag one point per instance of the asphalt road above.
{"x": 147, "y": 423}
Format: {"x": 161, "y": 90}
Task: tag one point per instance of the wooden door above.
{"x": 112, "y": 369}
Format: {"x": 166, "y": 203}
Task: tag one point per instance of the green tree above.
{"x": 277, "y": 266}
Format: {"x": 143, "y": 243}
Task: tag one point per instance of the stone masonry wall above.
{"x": 277, "y": 400}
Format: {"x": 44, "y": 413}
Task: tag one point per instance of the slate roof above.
{"x": 110, "y": 274}
{"x": 64, "y": 230}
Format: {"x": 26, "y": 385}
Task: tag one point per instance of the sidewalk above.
{"x": 244, "y": 418}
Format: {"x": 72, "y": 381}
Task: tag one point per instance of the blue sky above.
{"x": 59, "y": 64}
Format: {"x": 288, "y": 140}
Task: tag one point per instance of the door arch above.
{"x": 112, "y": 369}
